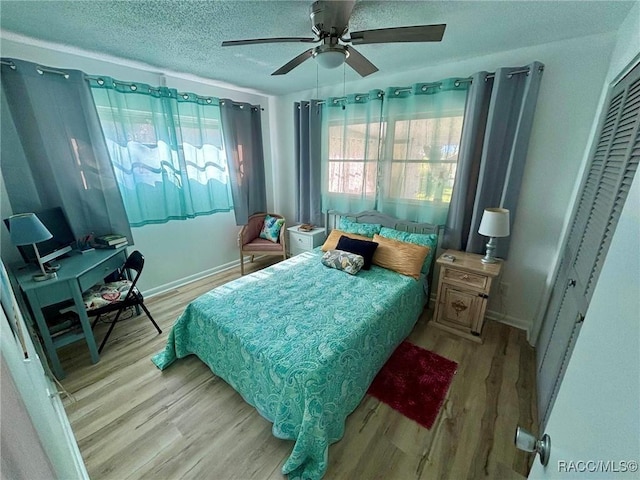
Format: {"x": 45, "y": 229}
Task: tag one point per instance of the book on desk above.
{"x": 110, "y": 241}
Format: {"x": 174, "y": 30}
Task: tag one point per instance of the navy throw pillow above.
{"x": 359, "y": 247}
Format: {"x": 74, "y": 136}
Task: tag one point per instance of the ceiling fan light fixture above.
{"x": 330, "y": 57}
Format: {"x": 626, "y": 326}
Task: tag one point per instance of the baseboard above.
{"x": 152, "y": 292}
{"x": 509, "y": 320}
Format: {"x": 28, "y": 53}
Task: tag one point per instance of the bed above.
{"x": 301, "y": 343}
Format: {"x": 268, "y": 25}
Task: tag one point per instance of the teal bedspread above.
{"x": 301, "y": 343}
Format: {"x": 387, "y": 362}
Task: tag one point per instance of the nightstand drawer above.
{"x": 304, "y": 242}
{"x": 460, "y": 276}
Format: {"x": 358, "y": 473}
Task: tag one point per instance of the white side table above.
{"x": 300, "y": 241}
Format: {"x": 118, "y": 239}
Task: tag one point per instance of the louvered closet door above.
{"x": 614, "y": 162}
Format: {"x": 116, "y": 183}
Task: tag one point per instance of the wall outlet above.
{"x": 504, "y": 288}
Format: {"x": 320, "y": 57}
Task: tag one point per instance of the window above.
{"x": 166, "y": 149}
{"x": 353, "y": 158}
{"x": 396, "y": 151}
{"x": 424, "y": 155}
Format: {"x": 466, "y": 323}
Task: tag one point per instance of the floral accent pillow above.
{"x": 366, "y": 229}
{"x": 341, "y": 260}
{"x": 271, "y": 228}
{"x": 429, "y": 240}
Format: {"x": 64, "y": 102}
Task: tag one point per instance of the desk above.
{"x": 77, "y": 273}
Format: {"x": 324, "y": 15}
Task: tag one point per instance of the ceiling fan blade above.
{"x": 359, "y": 63}
{"x": 252, "y": 41}
{"x": 422, "y": 33}
{"x": 287, "y": 67}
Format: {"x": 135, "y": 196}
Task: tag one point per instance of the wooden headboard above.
{"x": 332, "y": 221}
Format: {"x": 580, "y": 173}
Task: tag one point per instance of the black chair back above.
{"x": 135, "y": 262}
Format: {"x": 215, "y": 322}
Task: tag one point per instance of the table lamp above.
{"x": 494, "y": 223}
{"x": 27, "y": 229}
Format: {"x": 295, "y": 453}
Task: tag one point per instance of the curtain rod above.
{"x": 184, "y": 95}
{"x": 437, "y": 84}
{"x": 41, "y": 70}
{"x": 9, "y": 63}
{"x": 242, "y": 105}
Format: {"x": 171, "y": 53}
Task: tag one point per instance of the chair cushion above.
{"x": 262, "y": 245}
{"x": 102, "y": 295}
{"x": 271, "y": 228}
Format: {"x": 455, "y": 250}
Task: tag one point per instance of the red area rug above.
{"x": 414, "y": 381}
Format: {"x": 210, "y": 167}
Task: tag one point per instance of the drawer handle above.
{"x": 464, "y": 277}
{"x": 299, "y": 239}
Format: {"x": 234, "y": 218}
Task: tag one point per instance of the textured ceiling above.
{"x": 185, "y": 36}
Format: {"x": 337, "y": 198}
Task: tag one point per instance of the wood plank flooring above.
{"x": 134, "y": 422}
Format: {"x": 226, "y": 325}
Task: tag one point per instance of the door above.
{"x": 38, "y": 394}
{"x": 605, "y": 187}
{"x": 594, "y": 424}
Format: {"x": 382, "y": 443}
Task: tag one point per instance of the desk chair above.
{"x": 118, "y": 295}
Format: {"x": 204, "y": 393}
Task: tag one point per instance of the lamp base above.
{"x": 491, "y": 250}
{"x": 488, "y": 260}
{"x": 41, "y": 277}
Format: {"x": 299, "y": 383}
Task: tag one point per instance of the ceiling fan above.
{"x": 330, "y": 24}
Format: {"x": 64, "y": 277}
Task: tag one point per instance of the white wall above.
{"x": 179, "y": 250}
{"x": 569, "y": 95}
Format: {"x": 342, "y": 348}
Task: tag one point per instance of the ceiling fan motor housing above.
{"x": 329, "y": 20}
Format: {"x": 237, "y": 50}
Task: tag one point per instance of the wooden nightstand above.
{"x": 300, "y": 241}
{"x": 463, "y": 291}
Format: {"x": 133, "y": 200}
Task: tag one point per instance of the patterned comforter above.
{"x": 301, "y": 343}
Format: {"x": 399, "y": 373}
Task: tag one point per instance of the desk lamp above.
{"x": 27, "y": 229}
{"x": 494, "y": 223}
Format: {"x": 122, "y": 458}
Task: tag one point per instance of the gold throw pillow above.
{"x": 402, "y": 257}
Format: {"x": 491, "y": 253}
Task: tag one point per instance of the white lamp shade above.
{"x": 494, "y": 223}
{"x": 331, "y": 58}
{"x": 26, "y": 228}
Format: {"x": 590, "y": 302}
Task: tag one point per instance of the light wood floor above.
{"x": 133, "y": 421}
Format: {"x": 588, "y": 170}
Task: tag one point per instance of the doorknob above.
{"x": 529, "y": 443}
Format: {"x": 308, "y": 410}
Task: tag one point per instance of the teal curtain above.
{"x": 166, "y": 148}
{"x": 352, "y": 132}
{"x": 423, "y": 125}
